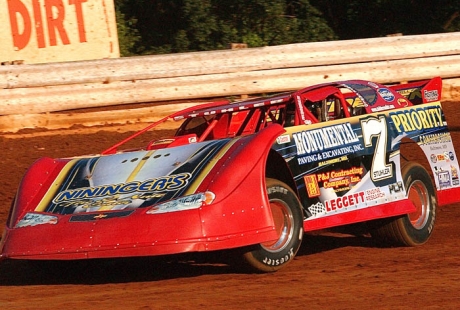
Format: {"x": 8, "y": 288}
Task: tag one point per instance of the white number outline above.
{"x": 377, "y": 127}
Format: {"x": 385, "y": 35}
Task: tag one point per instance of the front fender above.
{"x": 241, "y": 208}
{"x": 33, "y": 186}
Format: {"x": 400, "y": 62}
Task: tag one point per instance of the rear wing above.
{"x": 422, "y": 91}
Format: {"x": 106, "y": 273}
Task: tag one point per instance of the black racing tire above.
{"x": 288, "y": 218}
{"x": 415, "y": 228}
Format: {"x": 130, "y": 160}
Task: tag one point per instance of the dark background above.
{"x": 171, "y": 26}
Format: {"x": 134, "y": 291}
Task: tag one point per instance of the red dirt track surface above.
{"x": 331, "y": 270}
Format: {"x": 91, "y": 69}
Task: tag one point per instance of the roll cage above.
{"x": 318, "y": 103}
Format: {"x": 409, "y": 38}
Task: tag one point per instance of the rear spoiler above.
{"x": 422, "y": 91}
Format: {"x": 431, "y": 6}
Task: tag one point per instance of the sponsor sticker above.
{"x": 403, "y": 102}
{"x": 324, "y": 143}
{"x": 454, "y": 173}
{"x": 431, "y": 95}
{"x": 386, "y": 94}
{"x": 312, "y": 185}
{"x": 444, "y": 179}
{"x": 283, "y": 139}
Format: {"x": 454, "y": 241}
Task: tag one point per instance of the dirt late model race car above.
{"x": 252, "y": 175}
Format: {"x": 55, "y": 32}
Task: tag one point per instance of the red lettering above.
{"x": 360, "y": 194}
{"x": 80, "y": 21}
{"x": 56, "y": 23}
{"x": 347, "y": 201}
{"x": 344, "y": 202}
{"x": 328, "y": 205}
{"x": 39, "y": 24}
{"x": 22, "y": 22}
{"x": 339, "y": 202}
{"x": 15, "y": 7}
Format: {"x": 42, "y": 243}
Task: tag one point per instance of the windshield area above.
{"x": 368, "y": 93}
{"x": 195, "y": 125}
{"x": 239, "y": 123}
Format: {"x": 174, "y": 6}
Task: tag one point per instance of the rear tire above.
{"x": 414, "y": 228}
{"x": 288, "y": 219}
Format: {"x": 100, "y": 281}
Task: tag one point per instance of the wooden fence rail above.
{"x": 232, "y": 61}
{"x": 32, "y": 89}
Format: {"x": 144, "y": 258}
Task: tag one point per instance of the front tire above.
{"x": 414, "y": 228}
{"x": 288, "y": 219}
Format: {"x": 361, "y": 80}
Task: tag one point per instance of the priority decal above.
{"x": 416, "y": 120}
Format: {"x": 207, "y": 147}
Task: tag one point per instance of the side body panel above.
{"x": 349, "y": 170}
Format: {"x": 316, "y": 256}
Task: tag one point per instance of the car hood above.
{"x": 128, "y": 180}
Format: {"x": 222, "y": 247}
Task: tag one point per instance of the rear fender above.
{"x": 446, "y": 194}
{"x": 421, "y": 92}
{"x": 432, "y": 90}
{"x": 431, "y": 134}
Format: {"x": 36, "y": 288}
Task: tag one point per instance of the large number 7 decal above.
{"x": 377, "y": 127}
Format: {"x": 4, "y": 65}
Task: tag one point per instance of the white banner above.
{"x": 43, "y": 31}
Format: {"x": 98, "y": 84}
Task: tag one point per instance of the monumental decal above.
{"x": 43, "y": 31}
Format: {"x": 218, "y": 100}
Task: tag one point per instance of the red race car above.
{"x": 251, "y": 175}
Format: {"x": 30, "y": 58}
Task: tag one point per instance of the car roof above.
{"x": 224, "y": 107}
{"x": 373, "y": 96}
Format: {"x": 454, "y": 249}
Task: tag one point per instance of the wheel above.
{"x": 288, "y": 218}
{"x": 414, "y": 228}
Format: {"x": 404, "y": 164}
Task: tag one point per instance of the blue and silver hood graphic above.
{"x": 128, "y": 180}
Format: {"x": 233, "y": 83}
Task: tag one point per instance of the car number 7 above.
{"x": 377, "y": 127}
